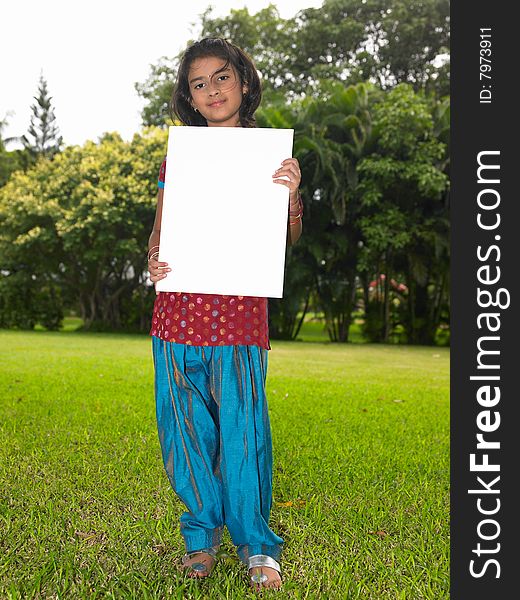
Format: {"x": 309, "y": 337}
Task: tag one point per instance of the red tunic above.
{"x": 209, "y": 319}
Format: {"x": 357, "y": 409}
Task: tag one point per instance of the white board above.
{"x": 224, "y": 221}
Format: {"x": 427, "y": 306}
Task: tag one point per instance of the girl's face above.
{"x": 216, "y": 92}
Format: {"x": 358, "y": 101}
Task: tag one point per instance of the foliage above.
{"x": 43, "y": 137}
{"x": 361, "y": 85}
{"x": 330, "y": 137}
{"x": 14, "y": 160}
{"x": 405, "y": 220}
{"x": 81, "y": 223}
{"x": 156, "y": 91}
{"x": 383, "y": 41}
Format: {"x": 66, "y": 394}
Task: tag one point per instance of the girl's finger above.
{"x": 291, "y": 161}
{"x": 288, "y": 172}
{"x": 156, "y": 263}
{"x": 293, "y": 181}
{"x": 290, "y": 184}
{"x": 156, "y": 276}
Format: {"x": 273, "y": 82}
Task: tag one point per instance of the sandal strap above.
{"x": 263, "y": 560}
{"x": 211, "y": 551}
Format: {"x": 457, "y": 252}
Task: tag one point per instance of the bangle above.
{"x": 298, "y": 210}
{"x": 298, "y": 196}
{"x": 153, "y": 254}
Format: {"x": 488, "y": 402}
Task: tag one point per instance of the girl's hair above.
{"x": 180, "y": 106}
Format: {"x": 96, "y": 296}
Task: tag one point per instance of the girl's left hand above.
{"x": 291, "y": 168}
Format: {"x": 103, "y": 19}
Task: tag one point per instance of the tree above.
{"x": 337, "y": 135}
{"x": 385, "y": 42}
{"x": 74, "y": 233}
{"x": 373, "y": 187}
{"x": 331, "y": 136}
{"x": 43, "y": 131}
{"x": 157, "y": 91}
{"x": 11, "y": 161}
{"x": 405, "y": 221}
{"x": 5, "y": 141}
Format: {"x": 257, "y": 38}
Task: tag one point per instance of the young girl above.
{"x": 210, "y": 354}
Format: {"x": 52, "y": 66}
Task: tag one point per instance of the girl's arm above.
{"x": 155, "y": 236}
{"x": 291, "y": 168}
{"x": 294, "y": 231}
{"x": 156, "y": 269}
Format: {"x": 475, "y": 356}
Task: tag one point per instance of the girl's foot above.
{"x": 200, "y": 564}
{"x": 265, "y": 577}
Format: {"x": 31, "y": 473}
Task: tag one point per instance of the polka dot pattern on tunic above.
{"x": 211, "y": 320}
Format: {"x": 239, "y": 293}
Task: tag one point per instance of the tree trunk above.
{"x": 300, "y": 323}
{"x": 386, "y": 304}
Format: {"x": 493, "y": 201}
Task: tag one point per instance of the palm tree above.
{"x": 4, "y": 141}
{"x": 338, "y": 135}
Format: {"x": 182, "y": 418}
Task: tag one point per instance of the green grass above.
{"x": 361, "y": 477}
{"x": 313, "y": 329}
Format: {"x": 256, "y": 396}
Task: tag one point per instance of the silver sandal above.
{"x": 262, "y": 560}
{"x": 200, "y": 567}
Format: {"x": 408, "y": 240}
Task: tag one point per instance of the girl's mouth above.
{"x": 220, "y": 102}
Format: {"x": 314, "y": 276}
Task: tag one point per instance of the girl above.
{"x": 210, "y": 354}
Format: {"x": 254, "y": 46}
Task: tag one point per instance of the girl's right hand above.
{"x": 158, "y": 271}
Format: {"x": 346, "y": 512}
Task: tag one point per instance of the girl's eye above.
{"x": 197, "y": 86}
{"x": 227, "y": 76}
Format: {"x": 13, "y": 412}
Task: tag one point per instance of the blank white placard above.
{"x": 224, "y": 221}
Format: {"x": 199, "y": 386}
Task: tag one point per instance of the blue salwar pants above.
{"x": 215, "y": 437}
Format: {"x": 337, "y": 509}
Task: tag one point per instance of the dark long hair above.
{"x": 180, "y": 106}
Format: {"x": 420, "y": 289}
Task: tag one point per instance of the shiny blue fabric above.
{"x": 215, "y": 437}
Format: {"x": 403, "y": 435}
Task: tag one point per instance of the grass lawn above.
{"x": 361, "y": 478}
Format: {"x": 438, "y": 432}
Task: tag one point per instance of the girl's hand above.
{"x": 291, "y": 168}
{"x": 158, "y": 271}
